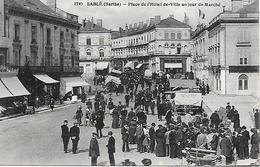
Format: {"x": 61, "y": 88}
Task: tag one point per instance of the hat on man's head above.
{"x": 65, "y": 121}
{"x": 75, "y": 123}
{"x": 94, "y": 133}
{"x": 110, "y": 133}
{"x": 153, "y": 124}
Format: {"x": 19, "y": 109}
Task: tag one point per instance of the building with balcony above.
{"x": 231, "y": 50}
{"x": 36, "y": 39}
{"x": 159, "y": 45}
{"x": 94, "y": 48}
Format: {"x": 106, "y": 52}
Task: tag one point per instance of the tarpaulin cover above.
{"x": 129, "y": 64}
{"x": 139, "y": 65}
{"x": 45, "y": 78}
{"x": 182, "y": 83}
{"x": 110, "y": 78}
{"x": 116, "y": 71}
{"x": 193, "y": 99}
{"x": 15, "y": 86}
{"x": 102, "y": 65}
{"x": 4, "y": 91}
{"x": 67, "y": 84}
{"x": 148, "y": 73}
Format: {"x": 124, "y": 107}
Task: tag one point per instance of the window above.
{"x": 88, "y": 41}
{"x": 34, "y": 57}
{"x": 88, "y": 52}
{"x": 61, "y": 39}
{"x": 243, "y": 82}
{"x": 172, "y": 45}
{"x": 244, "y": 35}
{"x": 48, "y": 36}
{"x": 243, "y": 54}
{"x": 72, "y": 40}
{"x": 6, "y": 27}
{"x": 101, "y": 40}
{"x": 34, "y": 34}
{"x": 166, "y": 45}
{"x": 101, "y": 53}
{"x": 16, "y": 31}
{"x": 172, "y": 35}
{"x": 178, "y": 35}
{"x": 166, "y": 35}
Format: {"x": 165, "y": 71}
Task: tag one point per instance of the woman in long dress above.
{"x": 115, "y": 117}
{"x": 254, "y": 144}
{"x": 160, "y": 142}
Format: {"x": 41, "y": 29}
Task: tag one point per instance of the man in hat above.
{"x": 94, "y": 149}
{"x": 125, "y": 138}
{"x": 89, "y": 104}
{"x": 111, "y": 148}
{"x": 74, "y": 134}
{"x": 139, "y": 137}
{"x": 79, "y": 114}
{"x": 65, "y": 135}
{"x": 152, "y": 137}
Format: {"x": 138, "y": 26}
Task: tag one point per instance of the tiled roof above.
{"x": 251, "y": 8}
{"x": 33, "y": 6}
{"x": 92, "y": 27}
{"x": 171, "y": 23}
{"x": 165, "y": 23}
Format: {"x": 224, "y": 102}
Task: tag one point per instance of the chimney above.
{"x": 126, "y": 27}
{"x": 84, "y": 22}
{"x": 147, "y": 22}
{"x": 236, "y": 5}
{"x": 135, "y": 25}
{"x": 120, "y": 29}
{"x": 99, "y": 22}
{"x": 171, "y": 16}
{"x": 141, "y": 24}
{"x": 152, "y": 21}
{"x": 157, "y": 19}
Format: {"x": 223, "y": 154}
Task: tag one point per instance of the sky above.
{"x": 118, "y": 16}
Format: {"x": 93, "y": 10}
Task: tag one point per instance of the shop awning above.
{"x": 116, "y": 71}
{"x": 101, "y": 65}
{"x": 15, "y": 86}
{"x": 173, "y": 65}
{"x": 67, "y": 84}
{"x": 129, "y": 64}
{"x": 110, "y": 78}
{"x": 4, "y": 91}
{"x": 139, "y": 65}
{"x": 45, "y": 78}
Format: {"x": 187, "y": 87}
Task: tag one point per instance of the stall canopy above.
{"x": 116, "y": 72}
{"x": 4, "y": 91}
{"x": 110, "y": 78}
{"x": 14, "y": 85}
{"x": 67, "y": 84}
{"x": 193, "y": 99}
{"x": 129, "y": 64}
{"x": 139, "y": 65}
{"x": 182, "y": 83}
{"x": 45, "y": 78}
{"x": 102, "y": 65}
{"x": 148, "y": 73}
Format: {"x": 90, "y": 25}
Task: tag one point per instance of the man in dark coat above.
{"x": 142, "y": 118}
{"x": 152, "y": 137}
{"x": 215, "y": 120}
{"x": 236, "y": 120}
{"x": 96, "y": 105}
{"x": 131, "y": 115}
{"x": 111, "y": 148}
{"x": 74, "y": 134}
{"x": 139, "y": 137}
{"x": 245, "y": 140}
{"x": 257, "y": 119}
{"x": 65, "y": 135}
{"x": 127, "y": 99}
{"x": 152, "y": 106}
{"x": 125, "y": 138}
{"x": 160, "y": 150}
{"x": 226, "y": 149}
{"x": 99, "y": 125}
{"x": 123, "y": 114}
{"x": 79, "y": 115}
{"x": 168, "y": 116}
{"x": 94, "y": 150}
{"x": 89, "y": 104}
{"x": 173, "y": 143}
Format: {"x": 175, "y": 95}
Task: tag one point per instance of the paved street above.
{"x": 35, "y": 140}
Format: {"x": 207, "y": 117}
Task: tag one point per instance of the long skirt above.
{"x": 115, "y": 122}
{"x": 254, "y": 151}
{"x": 160, "y": 150}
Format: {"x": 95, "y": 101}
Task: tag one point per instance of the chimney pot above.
{"x": 157, "y": 19}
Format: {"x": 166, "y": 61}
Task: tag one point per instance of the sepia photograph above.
{"x": 129, "y": 83}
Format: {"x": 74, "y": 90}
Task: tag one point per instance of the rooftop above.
{"x": 251, "y": 8}
{"x": 37, "y": 7}
{"x": 89, "y": 26}
{"x": 169, "y": 22}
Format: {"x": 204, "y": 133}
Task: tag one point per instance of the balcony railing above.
{"x": 51, "y": 69}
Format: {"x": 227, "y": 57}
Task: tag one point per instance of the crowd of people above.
{"x": 221, "y": 131}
